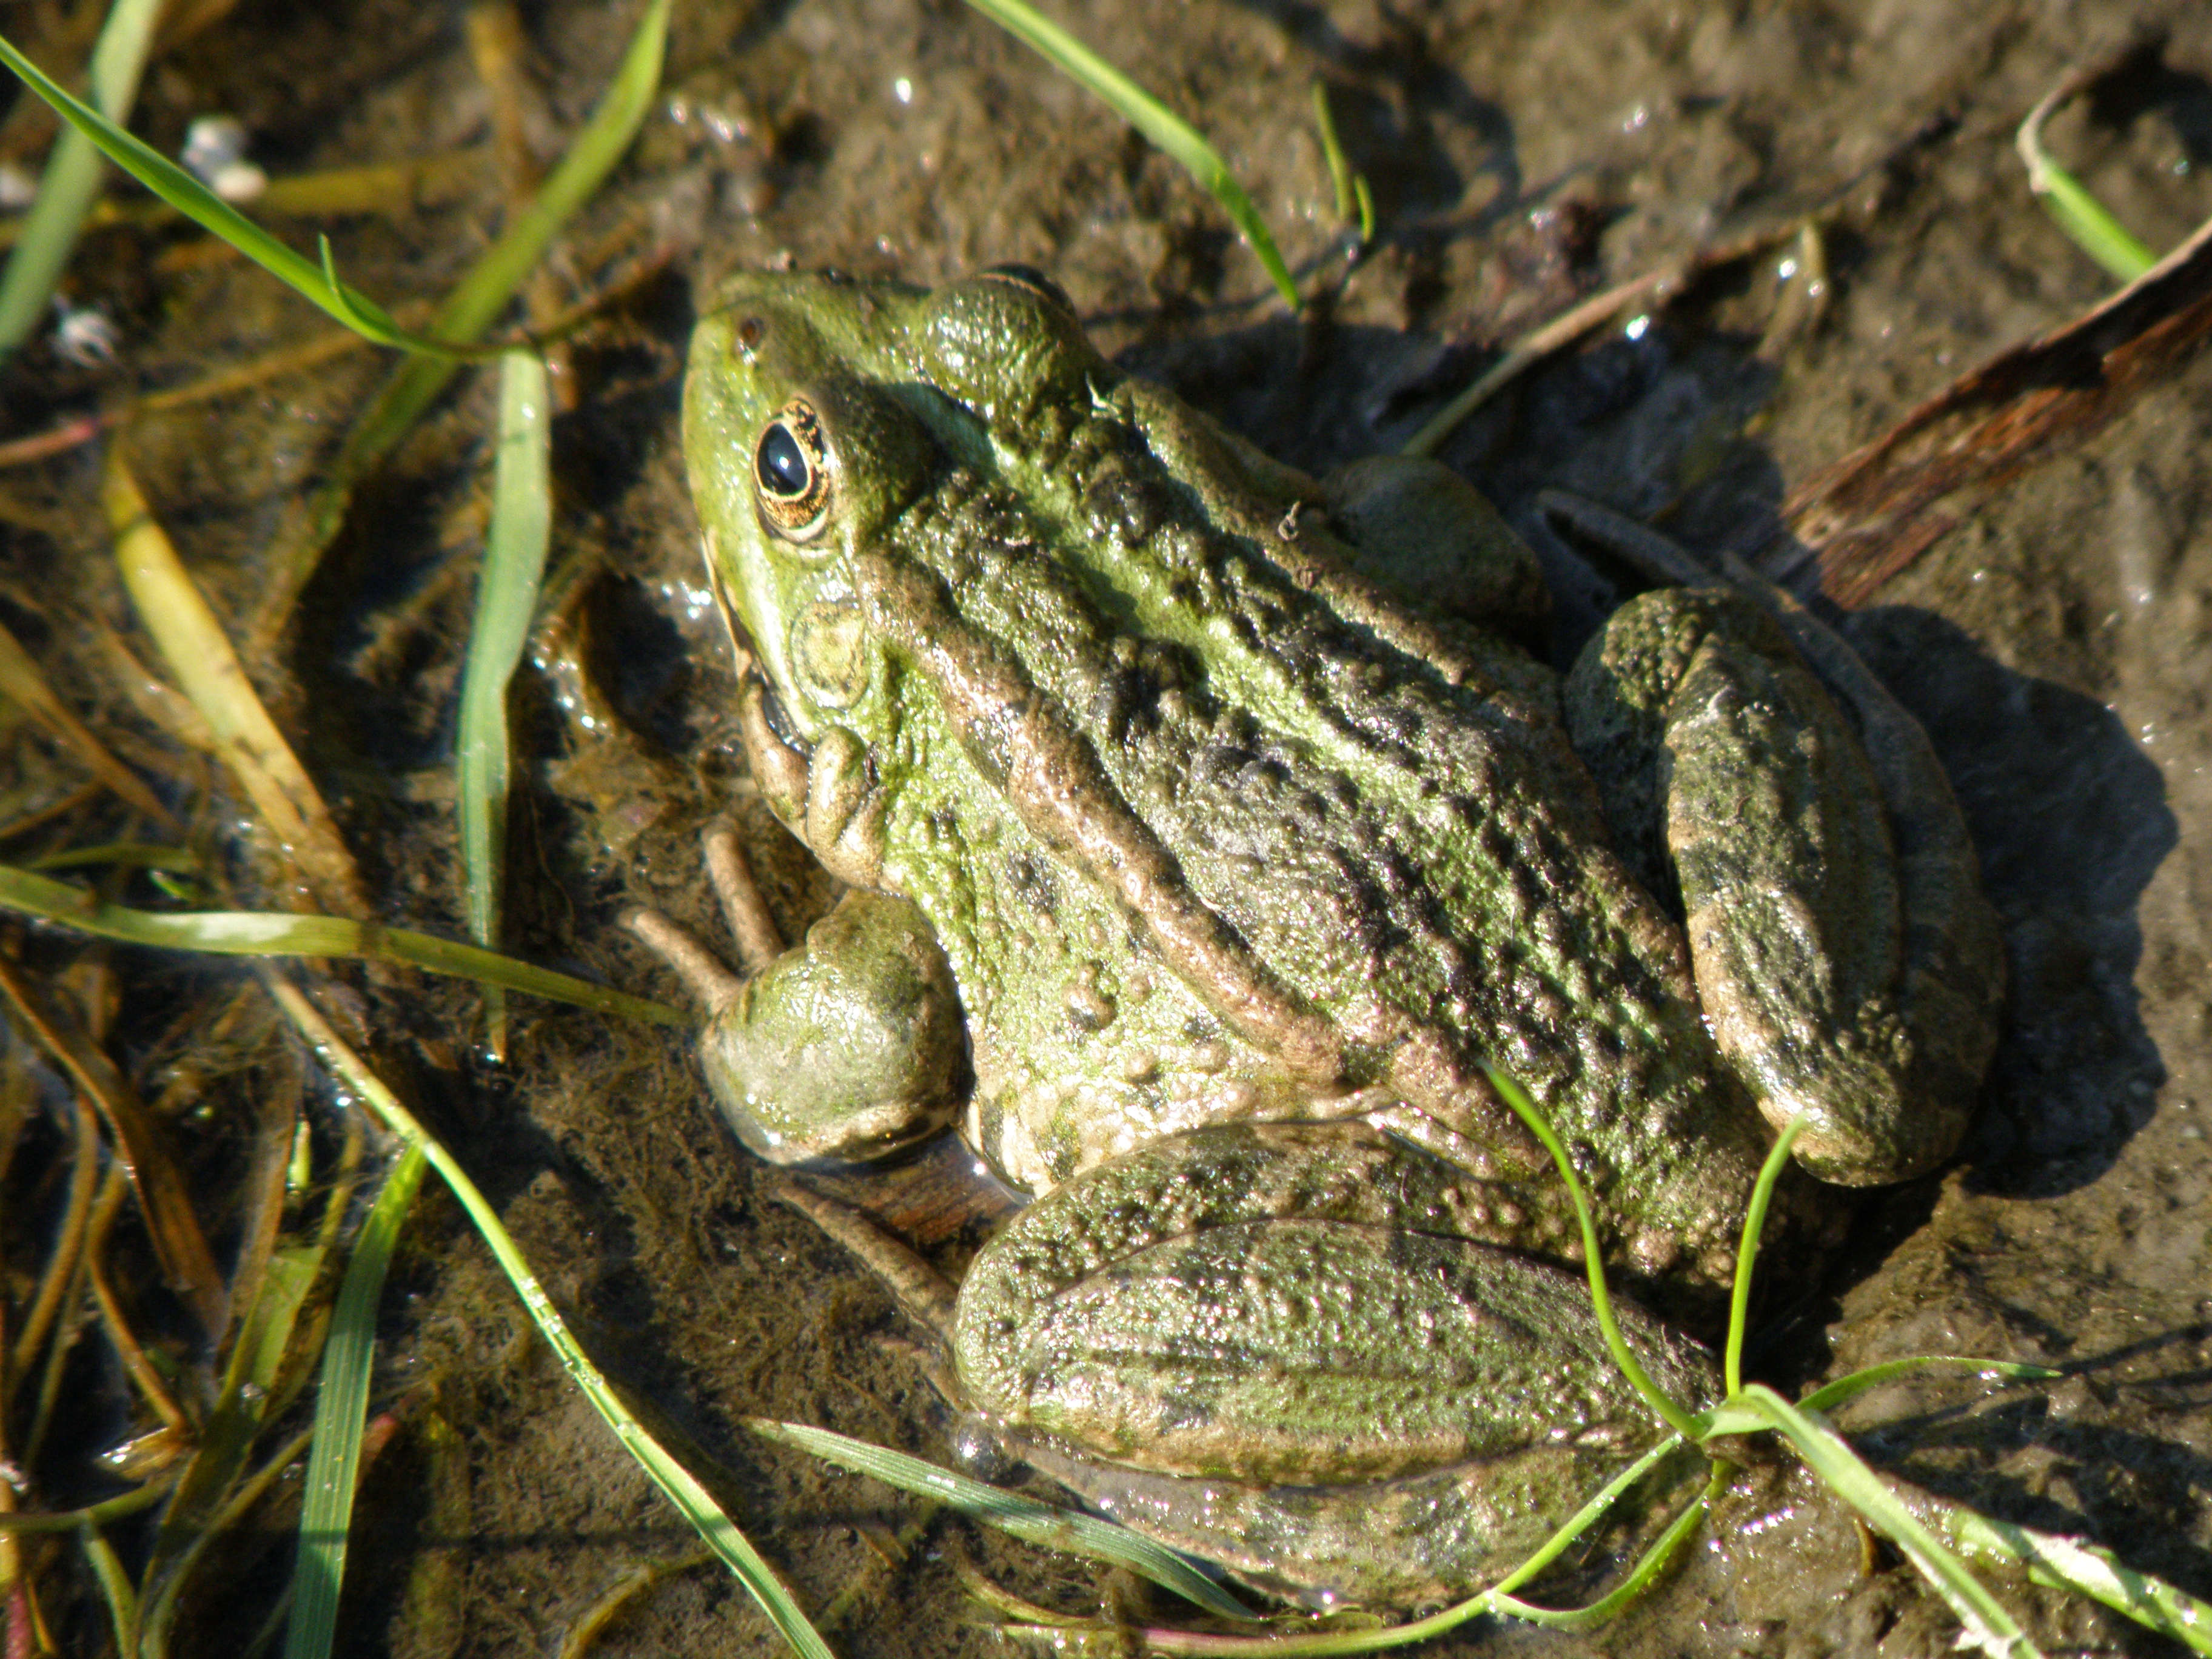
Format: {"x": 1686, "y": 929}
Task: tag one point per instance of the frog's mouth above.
{"x": 746, "y": 658}
{"x": 741, "y": 642}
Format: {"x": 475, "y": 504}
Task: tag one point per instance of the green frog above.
{"x": 1207, "y": 828}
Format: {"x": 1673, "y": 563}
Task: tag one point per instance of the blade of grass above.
{"x": 1985, "y": 1623}
{"x": 94, "y": 134}
{"x": 2080, "y": 215}
{"x": 1497, "y": 1598}
{"x": 72, "y": 183}
{"x": 341, "y": 1413}
{"x": 198, "y": 653}
{"x": 513, "y": 568}
{"x": 21, "y": 680}
{"x": 263, "y": 934}
{"x": 1664, "y": 1406}
{"x": 1166, "y": 129}
{"x": 143, "y": 1142}
{"x": 675, "y": 1481}
{"x": 159, "y": 1609}
{"x": 1530, "y": 349}
{"x": 2068, "y": 1564}
{"x": 127, "y": 854}
{"x": 218, "y": 1485}
{"x": 1746, "y": 1255}
{"x": 1844, "y": 1389}
{"x": 1070, "y": 1530}
{"x": 114, "y": 1584}
{"x": 1355, "y": 204}
{"x": 98, "y": 1514}
{"x": 472, "y": 305}
{"x": 1665, "y": 1551}
{"x": 60, "y": 1271}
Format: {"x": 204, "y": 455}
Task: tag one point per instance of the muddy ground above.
{"x": 2057, "y": 645}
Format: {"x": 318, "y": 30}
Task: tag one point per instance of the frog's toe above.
{"x": 704, "y": 973}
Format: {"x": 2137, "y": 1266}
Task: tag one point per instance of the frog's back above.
{"x": 1254, "y": 840}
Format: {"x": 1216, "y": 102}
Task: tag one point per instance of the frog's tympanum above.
{"x": 1208, "y": 828}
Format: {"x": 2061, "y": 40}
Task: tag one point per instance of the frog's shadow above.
{"x": 2069, "y": 818}
{"x": 2071, "y": 821}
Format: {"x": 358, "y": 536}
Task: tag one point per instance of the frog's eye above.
{"x": 791, "y": 472}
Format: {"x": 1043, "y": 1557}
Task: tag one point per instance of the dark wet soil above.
{"x": 2057, "y": 645}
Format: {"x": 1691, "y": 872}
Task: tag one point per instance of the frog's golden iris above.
{"x": 791, "y": 470}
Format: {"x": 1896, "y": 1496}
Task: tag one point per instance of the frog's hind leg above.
{"x": 1279, "y": 1346}
{"x": 1848, "y": 964}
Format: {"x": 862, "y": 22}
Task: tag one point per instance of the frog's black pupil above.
{"x": 783, "y": 469}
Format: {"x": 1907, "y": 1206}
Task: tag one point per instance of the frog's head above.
{"x": 817, "y": 409}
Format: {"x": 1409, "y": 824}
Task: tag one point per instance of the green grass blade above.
{"x": 1498, "y": 1598}
{"x": 1070, "y": 1530}
{"x": 1845, "y": 1388}
{"x": 341, "y": 1414}
{"x": 1355, "y": 203}
{"x": 72, "y": 183}
{"x": 2080, "y": 215}
{"x": 507, "y": 601}
{"x": 93, "y": 1515}
{"x": 125, "y": 854}
{"x": 1332, "y": 150}
{"x": 1660, "y": 1402}
{"x": 263, "y": 934}
{"x": 1986, "y": 1624}
{"x": 1665, "y": 1550}
{"x": 114, "y": 1584}
{"x": 1747, "y": 1255}
{"x": 318, "y": 282}
{"x": 484, "y": 292}
{"x": 2086, "y": 1570}
{"x": 677, "y": 1483}
{"x": 1587, "y": 1517}
{"x": 1166, "y": 129}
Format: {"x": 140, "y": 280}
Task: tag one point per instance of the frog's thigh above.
{"x": 846, "y": 1045}
{"x": 1292, "y": 1304}
{"x": 1706, "y": 729}
{"x": 1418, "y": 527}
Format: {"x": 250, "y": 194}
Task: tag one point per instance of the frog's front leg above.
{"x": 845, "y": 1047}
{"x": 1276, "y": 1346}
{"x": 1848, "y": 964}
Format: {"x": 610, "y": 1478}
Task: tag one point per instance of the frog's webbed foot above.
{"x": 1848, "y": 963}
{"x": 847, "y": 1046}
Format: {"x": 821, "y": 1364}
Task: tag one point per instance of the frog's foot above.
{"x": 1289, "y": 1326}
{"x": 846, "y": 1047}
{"x": 1848, "y": 964}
